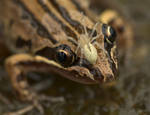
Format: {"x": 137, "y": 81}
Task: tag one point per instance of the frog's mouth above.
{"x": 101, "y": 71}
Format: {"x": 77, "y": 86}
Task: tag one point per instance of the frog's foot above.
{"x": 36, "y": 104}
{"x": 17, "y": 67}
{"x": 42, "y": 98}
{"x": 5, "y": 100}
{"x": 21, "y": 111}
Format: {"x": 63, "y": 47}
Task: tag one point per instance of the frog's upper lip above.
{"x": 96, "y": 71}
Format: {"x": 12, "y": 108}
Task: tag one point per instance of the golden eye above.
{"x": 109, "y": 33}
{"x": 64, "y": 55}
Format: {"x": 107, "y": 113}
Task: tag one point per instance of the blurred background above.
{"x": 130, "y": 95}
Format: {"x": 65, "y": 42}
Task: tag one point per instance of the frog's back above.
{"x": 21, "y": 31}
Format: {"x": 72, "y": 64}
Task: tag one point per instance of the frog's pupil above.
{"x": 113, "y": 34}
{"x": 104, "y": 27}
{"x": 61, "y": 57}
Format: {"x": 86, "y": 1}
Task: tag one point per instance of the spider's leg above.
{"x": 84, "y": 27}
{"x": 94, "y": 28}
{"x": 76, "y": 51}
{"x": 81, "y": 58}
{"x": 94, "y": 38}
{"x": 85, "y": 30}
{"x": 72, "y": 40}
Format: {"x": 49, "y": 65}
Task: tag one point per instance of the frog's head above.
{"x": 90, "y": 58}
{"x": 94, "y": 59}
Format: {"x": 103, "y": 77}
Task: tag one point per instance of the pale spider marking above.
{"x": 86, "y": 44}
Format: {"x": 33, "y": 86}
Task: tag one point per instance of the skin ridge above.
{"x": 67, "y": 30}
{"x": 64, "y": 13}
{"x": 111, "y": 63}
{"x": 94, "y": 71}
{"x": 66, "y": 16}
{"x": 41, "y": 30}
{"x": 79, "y": 8}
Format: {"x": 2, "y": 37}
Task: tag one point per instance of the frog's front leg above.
{"x": 16, "y": 72}
{"x": 17, "y": 67}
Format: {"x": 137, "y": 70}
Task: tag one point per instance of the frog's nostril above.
{"x": 109, "y": 78}
{"x": 97, "y": 74}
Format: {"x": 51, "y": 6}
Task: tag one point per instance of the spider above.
{"x": 86, "y": 44}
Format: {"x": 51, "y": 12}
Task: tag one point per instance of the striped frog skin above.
{"x": 56, "y": 37}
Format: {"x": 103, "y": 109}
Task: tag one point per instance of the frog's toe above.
{"x": 38, "y": 100}
{"x": 52, "y": 99}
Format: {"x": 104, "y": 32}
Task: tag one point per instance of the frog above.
{"x": 60, "y": 37}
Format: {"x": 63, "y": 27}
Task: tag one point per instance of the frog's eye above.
{"x": 64, "y": 55}
{"x": 109, "y": 33}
